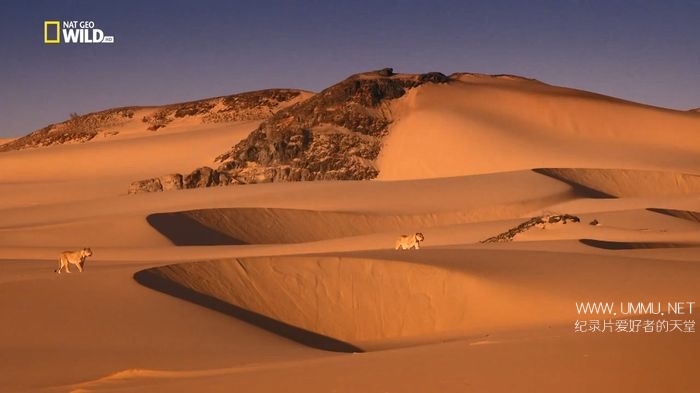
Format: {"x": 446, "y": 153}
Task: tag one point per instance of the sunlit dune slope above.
{"x": 481, "y": 124}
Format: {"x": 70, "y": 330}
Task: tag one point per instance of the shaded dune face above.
{"x": 611, "y": 245}
{"x": 626, "y": 182}
{"x": 331, "y": 303}
{"x": 368, "y": 301}
{"x": 282, "y": 226}
{"x": 684, "y": 214}
{"x": 183, "y": 230}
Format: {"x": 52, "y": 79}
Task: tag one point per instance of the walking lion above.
{"x": 407, "y": 242}
{"x": 77, "y": 258}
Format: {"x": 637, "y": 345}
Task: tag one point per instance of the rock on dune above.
{"x": 334, "y": 135}
{"x": 540, "y": 221}
{"x": 163, "y": 183}
{"x": 200, "y": 177}
{"x": 148, "y": 185}
{"x": 78, "y": 129}
{"x": 206, "y": 177}
{"x": 171, "y": 182}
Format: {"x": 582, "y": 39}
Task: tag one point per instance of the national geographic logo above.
{"x": 74, "y": 32}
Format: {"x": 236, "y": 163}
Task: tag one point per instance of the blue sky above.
{"x": 182, "y": 50}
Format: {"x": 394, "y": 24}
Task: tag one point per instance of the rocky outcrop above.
{"x": 171, "y": 182}
{"x": 78, "y": 129}
{"x": 200, "y": 177}
{"x": 386, "y": 72}
{"x": 540, "y": 221}
{"x": 255, "y": 105}
{"x": 206, "y": 177}
{"x": 334, "y": 135}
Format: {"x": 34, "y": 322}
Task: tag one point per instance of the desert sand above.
{"x": 296, "y": 286}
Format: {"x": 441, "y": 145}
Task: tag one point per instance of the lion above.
{"x": 407, "y": 242}
{"x": 75, "y": 257}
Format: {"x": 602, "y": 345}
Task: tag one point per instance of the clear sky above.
{"x": 173, "y": 51}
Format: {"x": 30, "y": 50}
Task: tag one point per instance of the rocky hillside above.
{"x": 256, "y": 105}
{"x": 334, "y": 135}
{"x": 77, "y": 129}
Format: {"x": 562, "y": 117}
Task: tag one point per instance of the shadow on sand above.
{"x": 183, "y": 230}
{"x": 579, "y": 189}
{"x": 608, "y": 245}
{"x": 151, "y": 279}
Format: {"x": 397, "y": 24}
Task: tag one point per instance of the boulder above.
{"x": 147, "y": 185}
{"x": 386, "y": 72}
{"x": 434, "y": 77}
{"x": 200, "y": 177}
{"x": 171, "y": 182}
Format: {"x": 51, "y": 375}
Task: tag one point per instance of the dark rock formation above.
{"x": 334, "y": 135}
{"x": 200, "y": 177}
{"x": 540, "y": 221}
{"x": 433, "y": 77}
{"x": 386, "y": 72}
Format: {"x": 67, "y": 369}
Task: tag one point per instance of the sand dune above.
{"x": 266, "y": 287}
{"x": 279, "y": 225}
{"x": 484, "y": 124}
{"x": 435, "y": 295}
{"x": 89, "y": 171}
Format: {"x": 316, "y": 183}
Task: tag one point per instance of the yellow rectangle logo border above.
{"x": 48, "y": 23}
